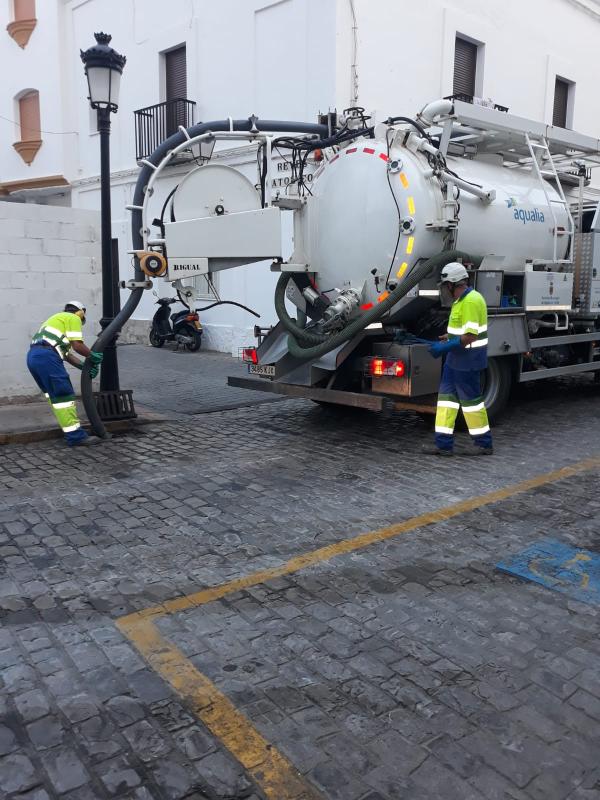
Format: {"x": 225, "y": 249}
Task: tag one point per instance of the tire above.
{"x": 497, "y": 385}
{"x": 155, "y": 339}
{"x": 196, "y": 342}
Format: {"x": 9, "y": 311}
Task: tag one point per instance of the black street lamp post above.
{"x": 103, "y": 69}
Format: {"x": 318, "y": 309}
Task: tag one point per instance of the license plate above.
{"x": 267, "y": 370}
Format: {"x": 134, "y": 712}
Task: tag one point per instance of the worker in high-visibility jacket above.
{"x": 50, "y": 347}
{"x": 465, "y": 348}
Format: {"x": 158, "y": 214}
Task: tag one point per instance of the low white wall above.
{"x": 224, "y": 338}
{"x": 48, "y": 255}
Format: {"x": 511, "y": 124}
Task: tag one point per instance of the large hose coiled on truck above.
{"x": 306, "y": 344}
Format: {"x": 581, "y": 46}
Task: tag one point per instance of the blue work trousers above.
{"x": 461, "y": 389}
{"x": 49, "y": 372}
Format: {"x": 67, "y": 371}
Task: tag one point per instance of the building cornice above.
{"x": 235, "y": 155}
{"x": 33, "y": 183}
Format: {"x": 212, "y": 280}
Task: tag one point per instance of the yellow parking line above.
{"x": 359, "y": 542}
{"x": 277, "y": 777}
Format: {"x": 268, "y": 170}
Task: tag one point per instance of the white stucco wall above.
{"x": 48, "y": 255}
{"x": 277, "y": 59}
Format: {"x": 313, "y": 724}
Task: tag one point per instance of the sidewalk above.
{"x": 34, "y": 422}
{"x": 165, "y": 383}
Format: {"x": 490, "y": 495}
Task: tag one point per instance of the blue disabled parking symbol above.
{"x": 557, "y": 566}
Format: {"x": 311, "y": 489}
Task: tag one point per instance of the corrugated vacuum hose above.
{"x": 306, "y": 344}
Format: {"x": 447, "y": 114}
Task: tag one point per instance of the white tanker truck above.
{"x": 388, "y": 205}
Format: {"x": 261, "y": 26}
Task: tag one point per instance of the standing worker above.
{"x": 465, "y": 347}
{"x": 52, "y": 345}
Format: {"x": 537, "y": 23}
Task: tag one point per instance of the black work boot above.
{"x": 89, "y": 441}
{"x": 472, "y": 449}
{"x": 434, "y": 450}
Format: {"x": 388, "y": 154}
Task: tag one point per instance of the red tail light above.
{"x": 384, "y": 367}
{"x": 250, "y": 355}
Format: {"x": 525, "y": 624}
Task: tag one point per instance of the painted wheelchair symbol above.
{"x": 567, "y": 574}
{"x": 559, "y": 567}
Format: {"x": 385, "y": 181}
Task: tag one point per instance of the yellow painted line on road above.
{"x": 277, "y": 777}
{"x": 359, "y": 542}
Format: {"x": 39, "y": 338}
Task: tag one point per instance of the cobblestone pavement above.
{"x": 191, "y": 383}
{"x": 408, "y": 670}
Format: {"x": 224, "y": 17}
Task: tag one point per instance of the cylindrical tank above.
{"x": 351, "y": 221}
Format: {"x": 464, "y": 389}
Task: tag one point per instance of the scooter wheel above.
{"x": 155, "y": 339}
{"x": 196, "y": 342}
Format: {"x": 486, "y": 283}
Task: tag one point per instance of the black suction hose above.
{"x": 146, "y": 171}
{"x": 229, "y": 303}
{"x": 305, "y": 344}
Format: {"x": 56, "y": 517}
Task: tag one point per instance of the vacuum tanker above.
{"x": 388, "y": 204}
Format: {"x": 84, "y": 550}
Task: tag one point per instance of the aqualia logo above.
{"x": 524, "y": 215}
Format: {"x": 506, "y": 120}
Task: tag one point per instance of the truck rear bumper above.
{"x": 370, "y": 402}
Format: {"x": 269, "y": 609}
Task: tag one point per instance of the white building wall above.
{"x": 279, "y": 59}
{"x": 48, "y": 255}
{"x": 406, "y": 59}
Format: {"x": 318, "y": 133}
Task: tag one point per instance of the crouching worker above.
{"x": 50, "y": 347}
{"x": 465, "y": 348}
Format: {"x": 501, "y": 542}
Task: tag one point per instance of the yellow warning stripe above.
{"x": 277, "y": 777}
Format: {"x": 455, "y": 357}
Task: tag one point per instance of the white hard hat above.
{"x": 454, "y": 273}
{"x": 77, "y": 304}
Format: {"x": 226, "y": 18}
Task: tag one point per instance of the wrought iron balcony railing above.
{"x": 154, "y": 124}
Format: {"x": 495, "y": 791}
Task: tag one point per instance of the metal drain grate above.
{"x": 117, "y": 404}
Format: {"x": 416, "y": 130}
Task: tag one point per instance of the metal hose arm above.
{"x": 250, "y": 124}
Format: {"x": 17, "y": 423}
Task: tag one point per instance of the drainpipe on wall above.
{"x": 354, "y": 64}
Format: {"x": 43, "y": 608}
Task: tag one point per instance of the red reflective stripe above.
{"x": 383, "y": 156}
{"x": 352, "y": 150}
{"x": 368, "y": 150}
{"x": 334, "y": 158}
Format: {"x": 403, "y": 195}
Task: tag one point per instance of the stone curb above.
{"x": 45, "y": 434}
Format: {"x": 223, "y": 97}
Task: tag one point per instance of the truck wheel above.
{"x": 497, "y": 384}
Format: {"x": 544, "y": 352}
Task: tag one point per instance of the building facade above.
{"x": 191, "y": 60}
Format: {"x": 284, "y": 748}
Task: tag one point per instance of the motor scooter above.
{"x": 182, "y": 327}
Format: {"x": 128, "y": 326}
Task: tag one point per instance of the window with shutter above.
{"x": 176, "y": 74}
{"x": 175, "y": 88}
{"x": 30, "y": 135}
{"x": 561, "y": 103}
{"x": 29, "y": 117}
{"x": 23, "y": 21}
{"x": 24, "y": 9}
{"x": 465, "y": 67}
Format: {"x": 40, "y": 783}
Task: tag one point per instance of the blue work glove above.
{"x": 403, "y": 337}
{"x": 438, "y": 349}
{"x": 94, "y": 372}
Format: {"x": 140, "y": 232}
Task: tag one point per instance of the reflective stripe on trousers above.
{"x": 65, "y": 411}
{"x": 52, "y": 378}
{"x": 461, "y": 389}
